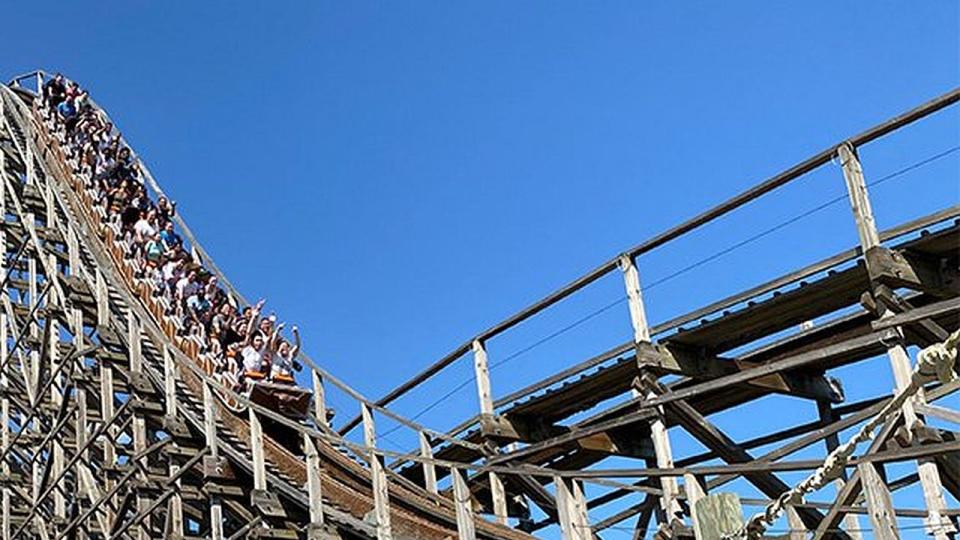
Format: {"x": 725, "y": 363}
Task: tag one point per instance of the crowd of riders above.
{"x": 242, "y": 344}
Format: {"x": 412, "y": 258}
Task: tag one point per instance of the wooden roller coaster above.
{"x": 112, "y": 427}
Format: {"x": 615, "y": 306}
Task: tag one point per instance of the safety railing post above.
{"x": 210, "y": 435}
{"x": 670, "y": 488}
{"x": 466, "y": 529}
{"x": 314, "y": 488}
{"x": 429, "y": 470}
{"x": 378, "y": 477}
{"x": 482, "y": 374}
{"x": 319, "y": 400}
{"x": 938, "y": 525}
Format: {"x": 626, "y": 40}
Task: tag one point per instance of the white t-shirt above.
{"x": 144, "y": 229}
{"x": 252, "y": 358}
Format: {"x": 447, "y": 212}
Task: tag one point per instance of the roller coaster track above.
{"x": 110, "y": 428}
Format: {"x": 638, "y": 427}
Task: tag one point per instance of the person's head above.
{"x": 192, "y": 275}
{"x": 156, "y": 237}
{"x": 168, "y": 227}
{"x": 283, "y": 348}
{"x": 58, "y": 77}
{"x": 257, "y": 340}
{"x": 124, "y": 153}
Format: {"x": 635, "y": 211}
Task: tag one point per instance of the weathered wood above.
{"x": 429, "y": 470}
{"x": 694, "y": 490}
{"x": 466, "y": 530}
{"x": 937, "y": 524}
{"x": 256, "y": 447}
{"x": 378, "y": 477}
{"x": 638, "y": 315}
{"x": 879, "y": 503}
{"x": 314, "y": 489}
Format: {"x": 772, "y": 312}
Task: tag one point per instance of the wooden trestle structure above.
{"x": 110, "y": 429}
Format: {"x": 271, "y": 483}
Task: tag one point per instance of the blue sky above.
{"x": 396, "y": 177}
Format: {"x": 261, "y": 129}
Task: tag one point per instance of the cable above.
{"x": 674, "y": 275}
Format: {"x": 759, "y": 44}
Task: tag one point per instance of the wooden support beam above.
{"x": 314, "y": 489}
{"x": 429, "y": 470}
{"x": 4, "y": 425}
{"x": 937, "y": 524}
{"x": 256, "y": 448}
{"x": 851, "y": 523}
{"x": 638, "y": 316}
{"x": 572, "y": 507}
{"x": 714, "y": 439}
{"x": 210, "y": 434}
{"x": 694, "y": 489}
{"x": 670, "y": 489}
{"x": 879, "y": 503}
{"x": 466, "y": 530}
{"x": 319, "y": 400}
{"x": 378, "y": 477}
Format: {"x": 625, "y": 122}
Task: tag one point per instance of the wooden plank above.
{"x": 464, "y": 507}
{"x": 879, "y": 503}
{"x": 378, "y": 478}
{"x": 429, "y": 470}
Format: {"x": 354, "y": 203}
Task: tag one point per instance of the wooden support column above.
{"x": 378, "y": 477}
{"x": 319, "y": 400}
{"x": 797, "y": 528}
{"x": 482, "y": 373}
{"x": 879, "y": 503}
{"x": 57, "y": 397}
{"x": 851, "y": 522}
{"x": 4, "y": 428}
{"x": 106, "y": 371}
{"x": 466, "y": 529}
{"x": 73, "y": 251}
{"x": 638, "y": 316}
{"x": 694, "y": 491}
{"x": 175, "y": 504}
{"x": 314, "y": 488}
{"x": 429, "y": 471}
{"x": 938, "y": 525}
{"x": 210, "y": 433}
{"x": 572, "y": 509}
{"x": 256, "y": 448}
{"x": 140, "y": 441}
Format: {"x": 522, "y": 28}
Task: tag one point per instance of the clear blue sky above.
{"x": 396, "y": 177}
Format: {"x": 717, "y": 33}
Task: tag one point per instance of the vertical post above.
{"x": 851, "y": 523}
{"x": 571, "y": 509}
{"x": 256, "y": 446}
{"x": 879, "y": 503}
{"x": 658, "y": 431}
{"x": 314, "y": 489}
{"x": 210, "y": 433}
{"x": 175, "y": 505}
{"x": 638, "y": 316}
{"x": 169, "y": 383}
{"x": 694, "y": 491}
{"x": 319, "y": 400}
{"x": 938, "y": 525}
{"x": 461, "y": 497}
{"x": 797, "y": 527}
{"x": 139, "y": 422}
{"x": 56, "y": 397}
{"x": 73, "y": 251}
{"x": 381, "y": 501}
{"x": 5, "y": 427}
{"x": 429, "y": 470}
{"x": 482, "y": 372}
